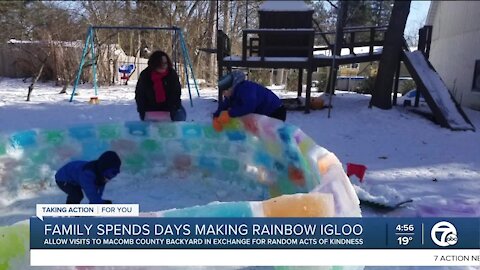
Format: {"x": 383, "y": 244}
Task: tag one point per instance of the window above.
{"x": 476, "y": 77}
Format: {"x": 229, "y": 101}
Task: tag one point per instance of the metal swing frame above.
{"x": 177, "y": 36}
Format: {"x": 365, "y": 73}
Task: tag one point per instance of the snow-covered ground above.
{"x": 406, "y": 155}
{"x": 438, "y": 168}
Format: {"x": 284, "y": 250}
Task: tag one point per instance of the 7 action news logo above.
{"x": 447, "y": 233}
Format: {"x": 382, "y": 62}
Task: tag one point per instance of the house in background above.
{"x": 455, "y": 48}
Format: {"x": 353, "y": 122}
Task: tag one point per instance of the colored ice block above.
{"x": 233, "y": 209}
{"x": 24, "y": 139}
{"x": 266, "y": 156}
{"x": 157, "y": 116}
{"x": 137, "y": 128}
{"x": 82, "y": 132}
{"x": 300, "y": 205}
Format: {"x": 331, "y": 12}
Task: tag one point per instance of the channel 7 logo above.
{"x": 447, "y": 233}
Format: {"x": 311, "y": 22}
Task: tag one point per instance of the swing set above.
{"x": 179, "y": 49}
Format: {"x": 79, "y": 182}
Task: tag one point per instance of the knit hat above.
{"x": 238, "y": 77}
{"x": 109, "y": 160}
{"x": 225, "y": 82}
{"x": 231, "y": 80}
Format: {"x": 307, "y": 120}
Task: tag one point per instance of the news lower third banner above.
{"x": 111, "y": 241}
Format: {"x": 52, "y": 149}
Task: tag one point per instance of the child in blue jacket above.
{"x": 78, "y": 177}
{"x": 242, "y": 97}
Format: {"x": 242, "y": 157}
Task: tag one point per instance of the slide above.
{"x": 444, "y": 107}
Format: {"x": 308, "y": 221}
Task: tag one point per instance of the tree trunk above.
{"x": 32, "y": 85}
{"x": 191, "y": 11}
{"x": 66, "y": 84}
{"x": 211, "y": 33}
{"x": 128, "y": 10}
{"x": 114, "y": 68}
{"x": 108, "y": 66}
{"x": 131, "y": 43}
{"x": 152, "y": 42}
{"x": 213, "y": 59}
{"x": 236, "y": 18}
{"x": 341, "y": 21}
{"x": 137, "y": 56}
{"x": 285, "y": 73}
{"x": 226, "y": 16}
{"x": 382, "y": 93}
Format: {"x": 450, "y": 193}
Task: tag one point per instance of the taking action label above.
{"x": 87, "y": 210}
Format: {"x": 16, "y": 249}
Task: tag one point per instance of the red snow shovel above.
{"x": 357, "y": 170}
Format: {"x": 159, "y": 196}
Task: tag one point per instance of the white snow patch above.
{"x": 381, "y": 194}
{"x": 401, "y": 150}
{"x": 298, "y": 5}
{"x": 267, "y": 58}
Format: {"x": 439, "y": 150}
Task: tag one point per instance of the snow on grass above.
{"x": 402, "y": 151}
{"x": 438, "y": 168}
{"x": 381, "y": 194}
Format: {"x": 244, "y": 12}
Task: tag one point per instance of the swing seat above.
{"x": 127, "y": 69}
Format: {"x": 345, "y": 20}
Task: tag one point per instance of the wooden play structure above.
{"x": 286, "y": 38}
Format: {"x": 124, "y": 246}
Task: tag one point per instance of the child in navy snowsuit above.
{"x": 242, "y": 97}
{"x": 78, "y": 177}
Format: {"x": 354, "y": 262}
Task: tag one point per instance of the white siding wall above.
{"x": 456, "y": 46}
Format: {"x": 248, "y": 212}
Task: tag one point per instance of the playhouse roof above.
{"x": 298, "y": 5}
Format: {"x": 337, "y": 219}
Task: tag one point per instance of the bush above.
{"x": 368, "y": 85}
{"x": 260, "y": 76}
{"x": 406, "y": 86}
{"x": 322, "y": 78}
{"x": 319, "y": 80}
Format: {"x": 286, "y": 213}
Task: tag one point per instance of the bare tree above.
{"x": 226, "y": 16}
{"x": 210, "y": 33}
{"x": 197, "y": 18}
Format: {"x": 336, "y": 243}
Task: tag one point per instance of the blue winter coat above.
{"x": 74, "y": 173}
{"x": 249, "y": 97}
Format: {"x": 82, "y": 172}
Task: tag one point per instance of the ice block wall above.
{"x": 255, "y": 150}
